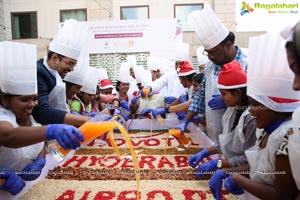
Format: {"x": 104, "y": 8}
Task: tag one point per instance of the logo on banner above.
{"x": 246, "y": 8}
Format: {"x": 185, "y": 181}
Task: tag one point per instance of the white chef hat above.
{"x": 18, "y": 75}
{"x": 269, "y": 80}
{"x": 152, "y": 63}
{"x": 202, "y": 59}
{"x": 182, "y": 51}
{"x": 147, "y": 78}
{"x": 163, "y": 65}
{"x": 131, "y": 60}
{"x": 90, "y": 81}
{"x": 208, "y": 27}
{"x": 124, "y": 73}
{"x": 69, "y": 39}
{"x": 102, "y": 74}
{"x": 77, "y": 76}
{"x": 138, "y": 72}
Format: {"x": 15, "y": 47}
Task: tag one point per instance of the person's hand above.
{"x": 182, "y": 126}
{"x": 215, "y": 183}
{"x": 93, "y": 114}
{"x": 101, "y": 117}
{"x": 232, "y": 187}
{"x": 74, "y": 112}
{"x": 216, "y": 102}
{"x": 146, "y": 111}
{"x": 33, "y": 170}
{"x": 13, "y": 183}
{"x": 66, "y": 135}
{"x": 183, "y": 99}
{"x": 196, "y": 119}
{"x": 196, "y": 158}
{"x": 169, "y": 100}
{"x": 181, "y": 115}
{"x": 135, "y": 100}
{"x": 158, "y": 111}
{"x": 206, "y": 167}
{"x": 124, "y": 104}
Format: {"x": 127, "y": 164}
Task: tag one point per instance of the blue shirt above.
{"x": 44, "y": 113}
{"x": 198, "y": 102}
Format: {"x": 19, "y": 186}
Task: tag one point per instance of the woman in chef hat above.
{"x": 21, "y": 137}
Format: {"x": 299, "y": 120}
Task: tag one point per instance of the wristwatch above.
{"x": 219, "y": 163}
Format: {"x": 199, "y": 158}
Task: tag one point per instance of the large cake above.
{"x": 96, "y": 172}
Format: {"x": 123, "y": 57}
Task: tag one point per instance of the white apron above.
{"x": 213, "y": 117}
{"x": 17, "y": 158}
{"x": 294, "y": 150}
{"x": 231, "y": 142}
{"x": 57, "y": 96}
{"x": 262, "y": 161}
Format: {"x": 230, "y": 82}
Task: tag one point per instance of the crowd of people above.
{"x": 248, "y": 104}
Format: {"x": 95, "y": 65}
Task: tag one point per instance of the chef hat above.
{"x": 124, "y": 73}
{"x": 147, "y": 78}
{"x": 131, "y": 60}
{"x": 163, "y": 65}
{"x": 105, "y": 84}
{"x": 18, "y": 74}
{"x": 139, "y": 73}
{"x": 182, "y": 51}
{"x": 208, "y": 27}
{"x": 69, "y": 39}
{"x": 77, "y": 76}
{"x": 152, "y": 63}
{"x": 232, "y": 76}
{"x": 90, "y": 81}
{"x": 202, "y": 59}
{"x": 185, "y": 69}
{"x": 102, "y": 74}
{"x": 269, "y": 75}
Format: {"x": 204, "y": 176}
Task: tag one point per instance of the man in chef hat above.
{"x": 219, "y": 46}
{"x": 62, "y": 58}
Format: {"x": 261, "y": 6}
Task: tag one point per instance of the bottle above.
{"x": 182, "y": 140}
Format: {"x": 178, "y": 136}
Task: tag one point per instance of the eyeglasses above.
{"x": 70, "y": 63}
{"x": 213, "y": 53}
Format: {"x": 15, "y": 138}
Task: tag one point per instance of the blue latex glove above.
{"x": 35, "y": 167}
{"x": 215, "y": 183}
{"x": 67, "y": 136}
{"x": 169, "y": 100}
{"x": 206, "y": 167}
{"x": 146, "y": 111}
{"x": 182, "y": 126}
{"x": 158, "y": 111}
{"x": 135, "y": 100}
{"x": 13, "y": 183}
{"x": 183, "y": 99}
{"x": 93, "y": 114}
{"x": 181, "y": 115}
{"x": 196, "y": 158}
{"x": 216, "y": 102}
{"x": 124, "y": 104}
{"x": 74, "y": 112}
{"x": 196, "y": 119}
{"x": 232, "y": 187}
{"x": 117, "y": 111}
{"x": 100, "y": 118}
{"x": 83, "y": 113}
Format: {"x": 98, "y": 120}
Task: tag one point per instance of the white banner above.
{"x": 266, "y": 15}
{"x": 155, "y": 36}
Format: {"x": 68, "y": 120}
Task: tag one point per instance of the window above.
{"x": 78, "y": 14}
{"x": 181, "y": 12}
{"x": 134, "y": 12}
{"x": 24, "y": 25}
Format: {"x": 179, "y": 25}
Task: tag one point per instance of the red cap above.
{"x": 185, "y": 69}
{"x": 232, "y": 76}
{"x": 105, "y": 84}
